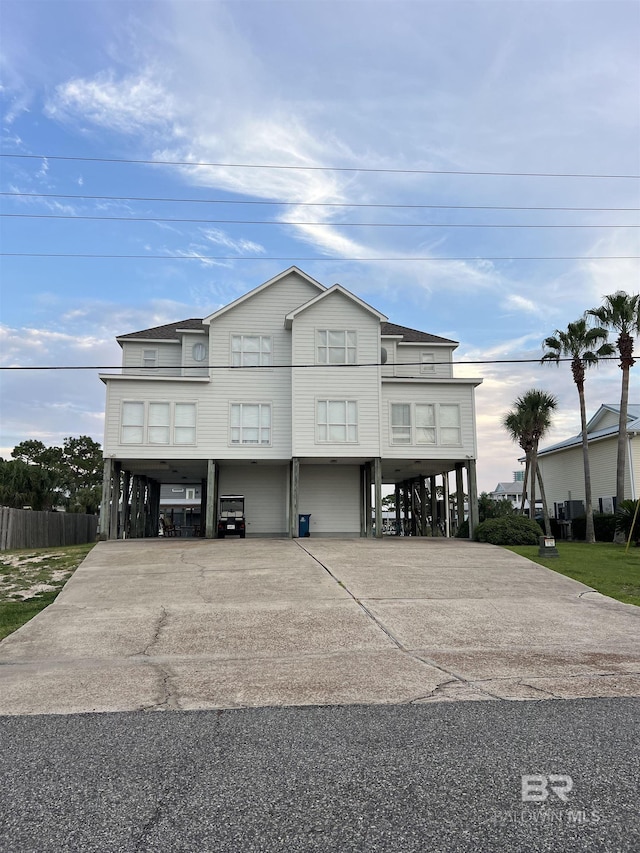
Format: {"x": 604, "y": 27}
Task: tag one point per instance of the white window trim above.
{"x": 326, "y": 346}
{"x": 145, "y": 357}
{"x": 200, "y": 346}
{"x": 427, "y": 362}
{"x": 145, "y": 426}
{"x": 414, "y": 427}
{"x": 241, "y": 353}
{"x": 328, "y": 440}
{"x": 123, "y": 425}
{"x": 268, "y": 404}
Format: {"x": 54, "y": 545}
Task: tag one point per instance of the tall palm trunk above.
{"x": 545, "y": 508}
{"x": 578, "y": 371}
{"x": 625, "y": 347}
{"x": 532, "y": 490}
{"x": 525, "y": 482}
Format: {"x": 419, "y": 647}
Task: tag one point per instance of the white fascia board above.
{"x": 207, "y": 320}
{"x": 336, "y": 288}
{"x": 150, "y": 341}
{"x": 440, "y": 380}
{"x": 190, "y": 332}
{"x": 423, "y": 344}
{"x": 138, "y": 377}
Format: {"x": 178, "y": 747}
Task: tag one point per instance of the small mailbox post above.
{"x": 548, "y": 547}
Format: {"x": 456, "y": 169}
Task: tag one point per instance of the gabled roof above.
{"x": 168, "y": 332}
{"x": 633, "y": 426}
{"x": 336, "y": 288}
{"x": 513, "y": 488}
{"x": 412, "y": 336}
{"x": 262, "y": 287}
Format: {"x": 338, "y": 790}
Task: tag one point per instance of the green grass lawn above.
{"x": 31, "y": 579}
{"x": 603, "y": 566}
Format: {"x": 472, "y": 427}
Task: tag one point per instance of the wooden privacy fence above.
{"x": 20, "y": 528}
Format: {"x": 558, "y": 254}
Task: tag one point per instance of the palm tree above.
{"x": 527, "y": 423}
{"x": 585, "y": 347}
{"x": 621, "y": 312}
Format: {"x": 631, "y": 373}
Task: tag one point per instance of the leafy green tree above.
{"x": 82, "y": 468}
{"x": 585, "y": 347}
{"x": 620, "y": 312}
{"x": 488, "y": 507}
{"x": 24, "y": 485}
{"x": 527, "y": 423}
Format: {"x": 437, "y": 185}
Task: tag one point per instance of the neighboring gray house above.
{"x": 302, "y": 398}
{"x": 562, "y": 467}
{"x": 513, "y": 492}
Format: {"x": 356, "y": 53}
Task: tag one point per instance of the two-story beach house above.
{"x": 300, "y": 397}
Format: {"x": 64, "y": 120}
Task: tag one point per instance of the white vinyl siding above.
{"x": 332, "y": 495}
{"x": 251, "y": 351}
{"x": 337, "y": 421}
{"x": 159, "y": 426}
{"x": 152, "y": 360}
{"x": 132, "y": 431}
{"x": 414, "y": 359}
{"x": 250, "y": 423}
{"x": 336, "y": 346}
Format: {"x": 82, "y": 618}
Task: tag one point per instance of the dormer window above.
{"x": 150, "y": 359}
{"x": 199, "y": 352}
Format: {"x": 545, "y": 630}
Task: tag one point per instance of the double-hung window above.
{"x": 337, "y": 421}
{"x": 251, "y": 351}
{"x": 184, "y": 423}
{"x": 150, "y": 359}
{"x": 425, "y": 423}
{"x": 250, "y": 423}
{"x": 159, "y": 426}
{"x": 450, "y": 424}
{"x": 427, "y": 362}
{"x": 400, "y": 423}
{"x": 335, "y": 347}
{"x": 132, "y": 431}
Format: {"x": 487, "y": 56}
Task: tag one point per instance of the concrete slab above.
{"x": 193, "y": 624}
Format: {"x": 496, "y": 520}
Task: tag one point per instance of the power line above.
{"x": 154, "y": 370}
{"x": 315, "y": 168}
{"x": 319, "y": 203}
{"x": 198, "y": 257}
{"x": 83, "y": 217}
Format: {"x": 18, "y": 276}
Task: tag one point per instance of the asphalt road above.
{"x": 396, "y": 778}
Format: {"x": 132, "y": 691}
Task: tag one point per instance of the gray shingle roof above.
{"x": 168, "y": 332}
{"x": 413, "y": 336}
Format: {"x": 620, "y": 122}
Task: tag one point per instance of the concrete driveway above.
{"x": 162, "y": 624}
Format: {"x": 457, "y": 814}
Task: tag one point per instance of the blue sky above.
{"x": 396, "y": 94}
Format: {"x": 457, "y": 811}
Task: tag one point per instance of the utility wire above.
{"x": 142, "y": 368}
{"x": 83, "y": 217}
{"x": 314, "y": 168}
{"x": 318, "y": 203}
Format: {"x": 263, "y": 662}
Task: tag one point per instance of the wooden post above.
{"x": 367, "y": 495}
{"x": 459, "y": 495}
{"x": 398, "y": 510}
{"x": 211, "y": 500}
{"x": 293, "y": 497}
{"x": 377, "y": 476}
{"x": 105, "y": 505}
{"x": 434, "y": 506}
{"x": 423, "y": 507}
{"x": 115, "y": 501}
{"x": 472, "y": 489}
{"x": 363, "y": 514}
{"x": 445, "y": 501}
{"x": 125, "y": 528}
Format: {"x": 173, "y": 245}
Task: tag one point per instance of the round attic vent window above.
{"x": 199, "y": 352}
{"x": 383, "y": 355}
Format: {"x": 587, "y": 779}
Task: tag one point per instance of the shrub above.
{"x": 603, "y": 526}
{"x": 463, "y": 530}
{"x": 511, "y": 530}
{"x": 624, "y": 519}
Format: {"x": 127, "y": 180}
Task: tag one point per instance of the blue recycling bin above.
{"x": 303, "y": 524}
